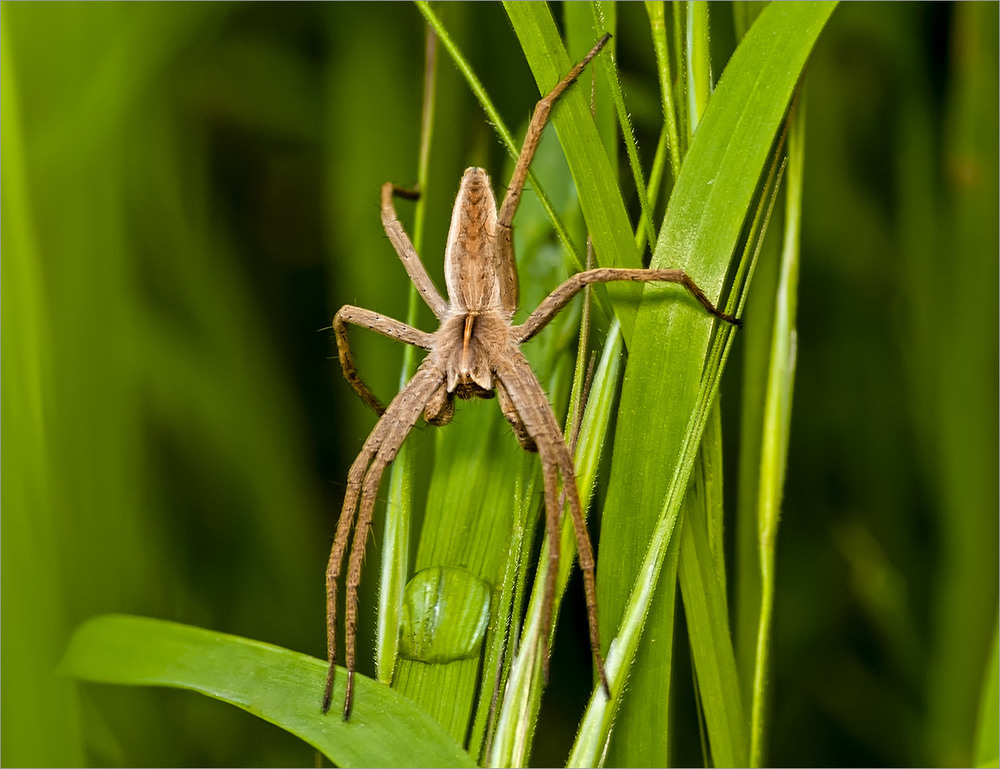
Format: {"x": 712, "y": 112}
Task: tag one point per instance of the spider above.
{"x": 475, "y": 353}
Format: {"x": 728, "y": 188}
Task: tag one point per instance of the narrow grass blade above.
{"x": 703, "y": 588}
{"x": 275, "y": 684}
{"x": 777, "y": 420}
{"x": 658, "y": 30}
{"x": 699, "y": 69}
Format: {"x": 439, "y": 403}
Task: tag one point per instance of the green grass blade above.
{"x": 704, "y": 219}
{"x": 467, "y": 523}
{"x": 510, "y": 602}
{"x": 30, "y": 520}
{"x": 275, "y": 684}
{"x": 776, "y": 424}
{"x": 699, "y": 69}
{"x": 756, "y": 339}
{"x": 658, "y": 29}
{"x": 703, "y": 587}
{"x": 986, "y": 751}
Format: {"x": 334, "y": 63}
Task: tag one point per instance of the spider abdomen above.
{"x": 478, "y": 267}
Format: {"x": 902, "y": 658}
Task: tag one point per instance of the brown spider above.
{"x": 475, "y": 353}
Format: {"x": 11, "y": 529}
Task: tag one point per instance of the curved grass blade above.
{"x": 275, "y": 684}
{"x": 704, "y": 220}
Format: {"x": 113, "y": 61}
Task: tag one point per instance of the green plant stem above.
{"x": 777, "y": 418}
{"x": 399, "y": 505}
{"x": 628, "y": 134}
{"x": 658, "y": 30}
{"x": 703, "y": 588}
{"x": 699, "y": 63}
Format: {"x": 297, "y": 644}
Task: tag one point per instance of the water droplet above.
{"x": 445, "y": 613}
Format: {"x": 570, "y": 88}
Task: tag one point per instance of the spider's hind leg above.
{"x": 362, "y": 487}
{"x": 513, "y": 418}
{"x": 440, "y": 407}
{"x": 523, "y": 391}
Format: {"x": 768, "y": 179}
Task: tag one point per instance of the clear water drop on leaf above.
{"x": 445, "y": 613}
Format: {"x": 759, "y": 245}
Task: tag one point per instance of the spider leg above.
{"x": 407, "y": 253}
{"x": 440, "y": 406}
{"x": 363, "y": 479}
{"x": 553, "y": 518}
{"x": 539, "y": 118}
{"x": 380, "y": 324}
{"x": 354, "y": 478}
{"x": 514, "y": 418}
{"x": 528, "y": 398}
{"x": 559, "y": 298}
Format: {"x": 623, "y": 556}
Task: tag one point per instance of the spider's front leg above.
{"x": 407, "y": 253}
{"x": 505, "y": 218}
{"x": 562, "y": 296}
{"x": 380, "y": 324}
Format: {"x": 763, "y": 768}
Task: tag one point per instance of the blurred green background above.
{"x": 190, "y": 191}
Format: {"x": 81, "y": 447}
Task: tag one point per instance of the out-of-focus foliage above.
{"x": 189, "y": 193}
